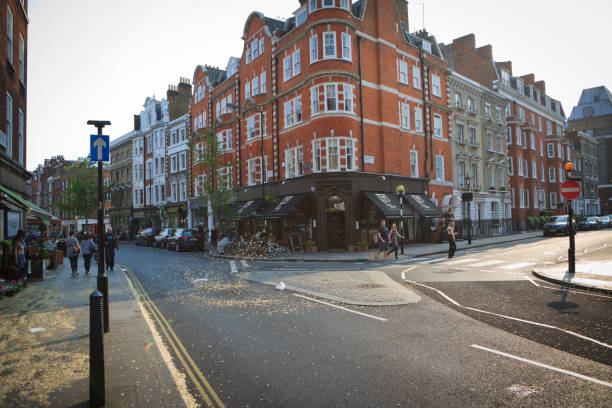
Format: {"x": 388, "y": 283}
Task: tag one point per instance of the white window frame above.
{"x": 520, "y": 166}
{"x": 9, "y": 34}
{"x": 438, "y": 126}
{"x": 416, "y": 77}
{"x": 323, "y": 5}
{"x": 21, "y": 59}
{"x": 347, "y": 47}
{"x": 327, "y": 35}
{"x": 418, "y": 119}
{"x": 439, "y": 167}
{"x": 414, "y": 163}
{"x": 345, "y": 4}
{"x": 510, "y": 166}
{"x": 287, "y": 68}
{"x": 534, "y": 169}
{"x": 294, "y": 162}
{"x": 20, "y": 135}
{"x": 9, "y": 124}
{"x": 404, "y": 115}
{"x": 436, "y": 88}
{"x": 182, "y": 161}
{"x": 552, "y": 175}
{"x": 314, "y": 49}
{"x": 295, "y": 62}
{"x": 550, "y": 149}
{"x": 262, "y": 82}
{"x": 402, "y": 71}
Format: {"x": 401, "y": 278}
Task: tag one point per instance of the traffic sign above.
{"x": 570, "y": 190}
{"x": 99, "y": 147}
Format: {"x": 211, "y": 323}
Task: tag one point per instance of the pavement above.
{"x": 44, "y": 351}
{"x": 410, "y": 250}
{"x": 593, "y": 274}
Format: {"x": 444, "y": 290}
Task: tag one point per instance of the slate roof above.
{"x": 593, "y": 102}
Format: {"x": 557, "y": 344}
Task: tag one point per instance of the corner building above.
{"x": 338, "y": 106}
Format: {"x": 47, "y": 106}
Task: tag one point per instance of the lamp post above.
{"x": 240, "y": 116}
{"x": 468, "y": 179}
{"x": 571, "y": 252}
{"x": 401, "y": 192}
{"x": 102, "y": 281}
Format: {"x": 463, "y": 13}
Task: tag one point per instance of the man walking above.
{"x": 110, "y": 244}
{"x": 452, "y": 246}
{"x": 383, "y": 240}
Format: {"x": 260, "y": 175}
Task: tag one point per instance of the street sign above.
{"x": 570, "y": 190}
{"x": 99, "y": 147}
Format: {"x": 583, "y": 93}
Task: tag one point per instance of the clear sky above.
{"x": 94, "y": 59}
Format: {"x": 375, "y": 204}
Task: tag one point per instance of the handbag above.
{"x": 76, "y": 248}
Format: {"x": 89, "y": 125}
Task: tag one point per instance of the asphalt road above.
{"x": 259, "y": 347}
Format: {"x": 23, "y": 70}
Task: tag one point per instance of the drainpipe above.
{"x": 275, "y": 61}
{"x": 427, "y": 111}
{"x": 361, "y": 105}
{"x": 238, "y": 141}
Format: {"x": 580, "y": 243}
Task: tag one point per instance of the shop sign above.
{"x": 421, "y": 202}
{"x": 245, "y": 206}
{"x": 383, "y": 198}
{"x": 283, "y": 202}
{"x": 368, "y": 159}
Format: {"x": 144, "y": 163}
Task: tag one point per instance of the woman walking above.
{"x": 72, "y": 250}
{"x": 110, "y": 244}
{"x": 394, "y": 239}
{"x": 452, "y": 246}
{"x": 19, "y": 249}
{"x": 89, "y": 248}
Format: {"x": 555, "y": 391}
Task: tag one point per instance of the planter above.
{"x": 311, "y": 249}
{"x": 354, "y": 248}
{"x": 59, "y": 257}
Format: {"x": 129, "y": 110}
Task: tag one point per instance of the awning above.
{"x": 389, "y": 204}
{"x": 284, "y": 207}
{"x": 244, "y": 209}
{"x": 33, "y": 209}
{"x": 424, "y": 205}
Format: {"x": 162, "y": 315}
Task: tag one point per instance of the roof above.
{"x": 593, "y": 102}
{"x": 121, "y": 139}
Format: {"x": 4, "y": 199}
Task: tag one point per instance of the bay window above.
{"x": 329, "y": 45}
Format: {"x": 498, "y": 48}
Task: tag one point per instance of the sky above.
{"x": 94, "y": 59}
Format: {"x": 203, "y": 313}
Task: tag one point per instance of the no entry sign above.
{"x": 570, "y": 189}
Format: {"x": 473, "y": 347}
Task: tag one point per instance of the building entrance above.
{"x": 336, "y": 223}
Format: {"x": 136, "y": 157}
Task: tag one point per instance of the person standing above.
{"x": 394, "y": 234}
{"x": 452, "y": 246}
{"x": 73, "y": 248}
{"x": 213, "y": 236}
{"x": 110, "y": 245}
{"x": 89, "y": 248}
{"x": 383, "y": 240}
{"x": 19, "y": 252}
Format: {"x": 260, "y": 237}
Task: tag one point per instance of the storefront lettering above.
{"x": 421, "y": 202}
{"x": 386, "y": 201}
{"x": 245, "y": 206}
{"x": 284, "y": 202}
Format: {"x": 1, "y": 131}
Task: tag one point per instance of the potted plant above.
{"x": 363, "y": 245}
{"x": 310, "y": 246}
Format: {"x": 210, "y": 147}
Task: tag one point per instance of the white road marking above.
{"x": 531, "y": 280}
{"x": 461, "y": 260}
{"x": 548, "y": 367}
{"x": 488, "y": 263}
{"x": 550, "y": 252}
{"x": 407, "y": 270}
{"x": 513, "y": 318}
{"x": 233, "y": 267}
{"x": 575, "y": 291}
{"x": 382, "y": 319}
{"x": 432, "y": 260}
{"x": 517, "y": 265}
{"x": 418, "y": 259}
{"x": 244, "y": 263}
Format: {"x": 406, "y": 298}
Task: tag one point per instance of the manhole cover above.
{"x": 237, "y": 292}
{"x": 369, "y": 286}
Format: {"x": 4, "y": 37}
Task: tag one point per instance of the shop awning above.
{"x": 34, "y": 210}
{"x": 244, "y": 209}
{"x": 389, "y": 204}
{"x": 424, "y": 205}
{"x": 284, "y": 207}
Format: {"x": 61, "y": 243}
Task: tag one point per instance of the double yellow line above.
{"x": 209, "y": 395}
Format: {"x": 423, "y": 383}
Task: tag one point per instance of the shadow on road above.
{"x": 563, "y": 306}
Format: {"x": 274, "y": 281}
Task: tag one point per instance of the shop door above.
{"x": 335, "y": 230}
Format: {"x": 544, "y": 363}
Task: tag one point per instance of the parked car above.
{"x": 184, "y": 239}
{"x": 606, "y": 221}
{"x": 591, "y": 223}
{"x": 146, "y": 236}
{"x": 558, "y": 225}
{"x": 161, "y": 239}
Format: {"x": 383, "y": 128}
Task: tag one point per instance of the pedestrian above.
{"x": 394, "y": 239}
{"x": 73, "y": 249}
{"x": 19, "y": 252}
{"x": 452, "y": 246}
{"x": 213, "y": 236}
{"x": 110, "y": 245}
{"x": 88, "y": 248}
{"x": 383, "y": 240}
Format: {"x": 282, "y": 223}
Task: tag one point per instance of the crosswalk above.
{"x": 465, "y": 263}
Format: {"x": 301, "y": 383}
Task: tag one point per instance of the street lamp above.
{"x": 240, "y": 116}
{"x": 102, "y": 281}
{"x": 400, "y": 191}
{"x": 571, "y": 252}
{"x": 468, "y": 198}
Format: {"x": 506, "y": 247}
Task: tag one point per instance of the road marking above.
{"x": 550, "y": 252}
{"x": 244, "y": 263}
{"x": 233, "y": 267}
{"x": 435, "y": 260}
{"x": 575, "y": 291}
{"x": 461, "y": 260}
{"x": 548, "y": 367}
{"x": 187, "y": 362}
{"x": 517, "y": 265}
{"x": 548, "y": 326}
{"x": 531, "y": 280}
{"x": 382, "y": 319}
{"x": 488, "y": 263}
{"x": 407, "y": 270}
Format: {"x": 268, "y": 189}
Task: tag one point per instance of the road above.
{"x": 258, "y": 347}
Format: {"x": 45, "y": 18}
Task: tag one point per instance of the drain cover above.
{"x": 237, "y": 292}
{"x": 369, "y": 286}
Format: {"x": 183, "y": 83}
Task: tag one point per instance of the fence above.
{"x": 486, "y": 228}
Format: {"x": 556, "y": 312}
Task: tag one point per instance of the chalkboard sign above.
{"x": 296, "y": 242}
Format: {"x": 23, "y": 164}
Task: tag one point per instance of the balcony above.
{"x": 460, "y": 141}
{"x": 474, "y": 144}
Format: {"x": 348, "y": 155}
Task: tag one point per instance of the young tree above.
{"x": 217, "y": 184}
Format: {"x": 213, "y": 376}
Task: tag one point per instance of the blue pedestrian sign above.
{"x": 99, "y": 147}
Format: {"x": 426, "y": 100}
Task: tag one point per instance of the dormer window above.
{"x": 301, "y": 17}
{"x": 426, "y": 46}
{"x": 344, "y": 4}
{"x": 519, "y": 85}
{"x": 312, "y": 5}
{"x": 505, "y": 77}
{"x": 328, "y": 3}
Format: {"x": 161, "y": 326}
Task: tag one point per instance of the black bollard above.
{"x": 96, "y": 350}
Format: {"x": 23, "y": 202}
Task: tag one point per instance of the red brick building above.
{"x": 537, "y": 147}
{"x": 351, "y": 104}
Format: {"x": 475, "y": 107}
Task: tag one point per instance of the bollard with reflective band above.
{"x": 96, "y": 350}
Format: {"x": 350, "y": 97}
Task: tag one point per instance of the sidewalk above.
{"x": 49, "y": 366}
{"x": 592, "y": 274}
{"x": 410, "y": 250}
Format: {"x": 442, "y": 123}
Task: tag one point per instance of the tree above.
{"x": 208, "y": 162}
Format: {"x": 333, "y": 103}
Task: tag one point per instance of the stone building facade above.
{"x": 584, "y": 156}
{"x": 121, "y": 151}
{"x": 593, "y": 115}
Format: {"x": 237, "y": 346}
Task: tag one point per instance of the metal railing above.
{"x": 486, "y": 228}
